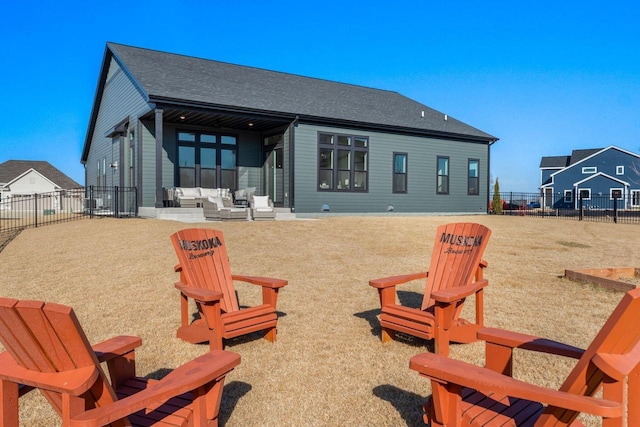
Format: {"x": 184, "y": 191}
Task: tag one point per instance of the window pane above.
{"x": 228, "y": 179}
{"x": 326, "y": 159}
{"x": 326, "y": 139}
{"x": 473, "y": 168}
{"x": 400, "y": 183}
{"x": 209, "y": 139}
{"x": 325, "y": 177}
{"x": 227, "y": 139}
{"x": 400, "y": 163}
{"x": 187, "y": 136}
{"x": 360, "y": 142}
{"x": 360, "y": 181}
{"x": 208, "y": 178}
{"x": 344, "y": 159}
{"x": 344, "y": 140}
{"x": 208, "y": 158}
{"x": 473, "y": 186}
{"x": 228, "y": 159}
{"x": 443, "y": 184}
{"x": 360, "y": 160}
{"x": 187, "y": 177}
{"x": 443, "y": 166}
{"x": 187, "y": 156}
{"x": 343, "y": 180}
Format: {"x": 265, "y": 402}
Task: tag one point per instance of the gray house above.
{"x": 162, "y": 120}
{"x": 592, "y": 174}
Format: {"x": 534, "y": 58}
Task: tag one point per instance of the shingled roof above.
{"x": 165, "y": 78}
{"x": 12, "y": 169}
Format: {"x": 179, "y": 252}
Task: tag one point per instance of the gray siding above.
{"x": 120, "y": 101}
{"x": 421, "y": 186}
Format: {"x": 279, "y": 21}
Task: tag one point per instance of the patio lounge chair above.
{"x": 205, "y": 277}
{"x": 262, "y": 208}
{"x": 47, "y": 349}
{"x": 455, "y": 274}
{"x": 469, "y": 395}
{"x": 218, "y": 208}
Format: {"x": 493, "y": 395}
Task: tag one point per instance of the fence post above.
{"x": 35, "y": 207}
{"x": 116, "y": 202}
{"x": 91, "y": 201}
{"x": 615, "y": 208}
{"x": 581, "y": 208}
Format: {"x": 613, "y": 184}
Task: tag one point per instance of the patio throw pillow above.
{"x": 218, "y": 202}
{"x": 261, "y": 203}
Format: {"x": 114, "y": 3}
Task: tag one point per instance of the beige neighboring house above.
{"x": 22, "y": 180}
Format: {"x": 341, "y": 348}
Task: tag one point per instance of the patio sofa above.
{"x": 222, "y": 208}
{"x": 193, "y": 197}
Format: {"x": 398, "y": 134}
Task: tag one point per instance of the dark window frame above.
{"x": 396, "y": 174}
{"x": 219, "y": 147}
{"x": 331, "y": 150}
{"x": 443, "y": 177}
{"x": 470, "y": 178}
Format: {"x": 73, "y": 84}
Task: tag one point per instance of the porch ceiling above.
{"x": 219, "y": 120}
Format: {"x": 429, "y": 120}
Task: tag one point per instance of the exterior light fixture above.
{"x": 131, "y": 135}
{"x": 183, "y": 117}
{"x": 250, "y": 124}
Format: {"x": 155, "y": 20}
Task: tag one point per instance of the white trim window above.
{"x": 589, "y": 169}
{"x": 584, "y": 193}
{"x": 635, "y": 198}
{"x": 619, "y": 190}
{"x": 568, "y": 196}
{"x": 619, "y": 170}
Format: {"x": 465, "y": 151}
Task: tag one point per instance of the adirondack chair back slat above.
{"x": 203, "y": 257}
{"x": 47, "y": 337}
{"x": 619, "y": 335}
{"x": 455, "y": 257}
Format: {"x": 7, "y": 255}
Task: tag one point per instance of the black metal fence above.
{"x": 603, "y": 208}
{"x": 18, "y": 212}
{"x": 117, "y": 202}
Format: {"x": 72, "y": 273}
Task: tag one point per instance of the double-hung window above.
{"x": 473, "y": 183}
{"x": 342, "y": 162}
{"x": 442, "y": 179}
{"x": 399, "y": 172}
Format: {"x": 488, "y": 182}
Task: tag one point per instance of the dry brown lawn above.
{"x": 328, "y": 366}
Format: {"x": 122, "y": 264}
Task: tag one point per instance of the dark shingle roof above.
{"x": 577, "y": 155}
{"x": 558, "y": 162}
{"x": 171, "y": 77}
{"x": 11, "y": 169}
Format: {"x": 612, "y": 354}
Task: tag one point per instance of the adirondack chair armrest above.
{"x": 387, "y": 282}
{"x": 177, "y": 268}
{"x": 450, "y": 371}
{"x": 115, "y": 347}
{"x": 512, "y": 339}
{"x": 199, "y": 294}
{"x": 265, "y": 282}
{"x": 206, "y": 369}
{"x": 617, "y": 366}
{"x": 74, "y": 381}
{"x": 455, "y": 294}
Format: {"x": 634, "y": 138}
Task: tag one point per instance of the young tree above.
{"x": 496, "y": 203}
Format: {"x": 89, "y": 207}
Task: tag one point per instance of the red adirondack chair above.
{"x": 205, "y": 277}
{"x": 455, "y": 274}
{"x": 47, "y": 349}
{"x": 468, "y": 395}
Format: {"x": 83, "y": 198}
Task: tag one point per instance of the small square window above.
{"x": 619, "y": 170}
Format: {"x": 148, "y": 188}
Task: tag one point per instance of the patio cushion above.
{"x": 188, "y": 191}
{"x": 218, "y": 201}
{"x": 261, "y": 202}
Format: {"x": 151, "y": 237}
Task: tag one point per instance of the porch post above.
{"x": 159, "y": 143}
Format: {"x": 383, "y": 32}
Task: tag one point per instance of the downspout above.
{"x": 489, "y": 174}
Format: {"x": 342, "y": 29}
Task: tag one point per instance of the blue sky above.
{"x": 544, "y": 77}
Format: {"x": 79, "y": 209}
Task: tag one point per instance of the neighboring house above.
{"x": 592, "y": 174}
{"x": 162, "y": 120}
{"x": 21, "y": 179}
